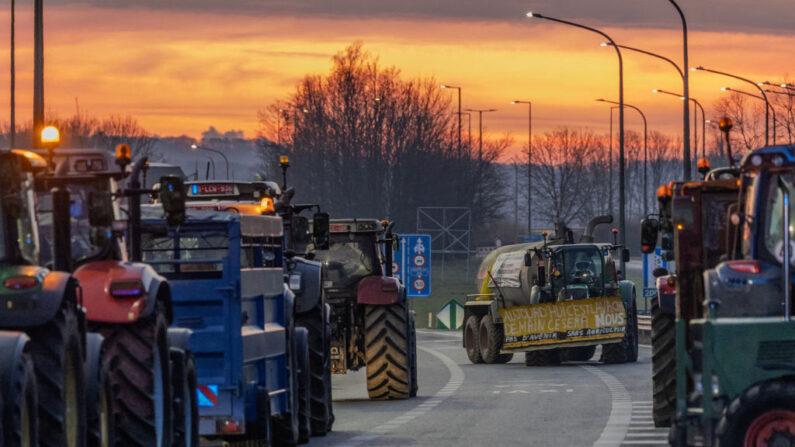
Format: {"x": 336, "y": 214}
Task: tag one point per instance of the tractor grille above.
{"x": 776, "y": 352}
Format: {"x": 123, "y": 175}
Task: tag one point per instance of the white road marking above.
{"x": 620, "y": 410}
{"x": 455, "y": 382}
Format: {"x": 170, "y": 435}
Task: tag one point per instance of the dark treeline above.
{"x": 364, "y": 142}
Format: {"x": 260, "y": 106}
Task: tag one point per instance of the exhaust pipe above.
{"x": 587, "y": 236}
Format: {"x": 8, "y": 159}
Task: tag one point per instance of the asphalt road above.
{"x": 461, "y": 404}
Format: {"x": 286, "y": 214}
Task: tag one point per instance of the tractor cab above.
{"x": 19, "y": 242}
{"x": 235, "y": 197}
{"x": 575, "y": 272}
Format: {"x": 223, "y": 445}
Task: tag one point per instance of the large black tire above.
{"x": 99, "y": 394}
{"x": 258, "y": 432}
{"x": 186, "y": 405}
{"x": 578, "y": 354}
{"x": 414, "y": 387}
{"x": 327, "y": 370}
{"x": 314, "y": 321}
{"x": 472, "y": 339}
{"x": 19, "y": 397}
{"x": 57, "y": 352}
{"x": 626, "y": 350}
{"x": 490, "y": 337}
{"x": 386, "y": 350}
{"x": 663, "y": 365}
{"x": 285, "y": 425}
{"x": 304, "y": 385}
{"x": 138, "y": 355}
{"x": 545, "y": 357}
{"x": 764, "y": 414}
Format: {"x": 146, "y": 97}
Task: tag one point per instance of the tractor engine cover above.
{"x": 379, "y": 290}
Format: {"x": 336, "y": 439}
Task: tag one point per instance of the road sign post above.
{"x": 451, "y": 316}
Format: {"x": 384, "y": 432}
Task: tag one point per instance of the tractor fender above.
{"x": 179, "y": 338}
{"x": 35, "y": 306}
{"x": 12, "y": 345}
{"x": 666, "y": 295}
{"x": 311, "y": 292}
{"x": 380, "y": 291}
{"x": 626, "y": 288}
{"x": 96, "y": 279}
{"x": 289, "y": 305}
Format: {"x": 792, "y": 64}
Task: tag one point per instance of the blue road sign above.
{"x": 415, "y": 263}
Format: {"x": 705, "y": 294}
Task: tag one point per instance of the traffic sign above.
{"x": 415, "y": 255}
{"x": 451, "y": 316}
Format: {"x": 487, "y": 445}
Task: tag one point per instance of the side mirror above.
{"x": 659, "y": 271}
{"x": 648, "y": 234}
{"x": 100, "y": 209}
{"x": 625, "y": 255}
{"x": 542, "y": 276}
{"x": 299, "y": 229}
{"x": 321, "y": 231}
{"x": 528, "y": 259}
{"x": 172, "y": 196}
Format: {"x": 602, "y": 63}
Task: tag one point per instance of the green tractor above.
{"x": 735, "y": 359}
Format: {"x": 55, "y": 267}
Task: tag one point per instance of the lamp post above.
{"x": 645, "y": 153}
{"x": 761, "y": 90}
{"x": 226, "y": 160}
{"x": 469, "y": 128}
{"x": 768, "y": 107}
{"x": 13, "y": 131}
{"x": 704, "y": 119}
{"x": 480, "y": 131}
{"x": 529, "y": 162}
{"x": 621, "y": 192}
{"x": 686, "y": 90}
{"x": 459, "y": 113}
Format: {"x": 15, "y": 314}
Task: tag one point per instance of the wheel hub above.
{"x": 773, "y": 428}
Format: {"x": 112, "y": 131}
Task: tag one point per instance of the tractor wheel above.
{"x": 386, "y": 350}
{"x": 304, "y": 385}
{"x": 285, "y": 425}
{"x": 19, "y": 395}
{"x": 545, "y": 357}
{"x": 579, "y": 354}
{"x": 319, "y": 368}
{"x": 472, "y": 339}
{"x": 57, "y": 352}
{"x": 99, "y": 394}
{"x": 627, "y": 349}
{"x": 490, "y": 337}
{"x": 413, "y": 353}
{"x": 141, "y": 380}
{"x": 186, "y": 406}
{"x": 663, "y": 365}
{"x": 763, "y": 415}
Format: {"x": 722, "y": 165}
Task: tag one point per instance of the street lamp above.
{"x": 529, "y": 161}
{"x": 459, "y": 113}
{"x": 768, "y": 107}
{"x": 686, "y": 89}
{"x": 226, "y": 160}
{"x": 645, "y": 153}
{"x": 683, "y": 75}
{"x": 621, "y": 205}
{"x": 761, "y": 90}
{"x": 703, "y": 120}
{"x": 480, "y": 132}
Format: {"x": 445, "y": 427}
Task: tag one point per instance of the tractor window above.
{"x": 774, "y": 219}
{"x": 350, "y": 258}
{"x": 577, "y": 273}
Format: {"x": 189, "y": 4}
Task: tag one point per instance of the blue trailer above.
{"x": 227, "y": 284}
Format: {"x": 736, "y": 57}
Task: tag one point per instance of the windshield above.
{"x": 195, "y": 253}
{"x": 773, "y": 224}
{"x": 350, "y": 258}
{"x": 576, "y": 273}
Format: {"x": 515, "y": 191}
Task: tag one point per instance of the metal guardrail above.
{"x": 644, "y": 323}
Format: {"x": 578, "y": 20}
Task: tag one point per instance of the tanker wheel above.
{"x": 544, "y": 357}
{"x": 285, "y": 425}
{"x": 186, "y": 406}
{"x": 141, "y": 379}
{"x": 386, "y": 349}
{"x": 663, "y": 365}
{"x": 319, "y": 368}
{"x": 413, "y": 352}
{"x": 20, "y": 426}
{"x": 472, "y": 339}
{"x": 57, "y": 353}
{"x": 626, "y": 350}
{"x": 490, "y": 337}
{"x": 579, "y": 353}
{"x": 763, "y": 415}
{"x": 304, "y": 385}
{"x": 99, "y": 394}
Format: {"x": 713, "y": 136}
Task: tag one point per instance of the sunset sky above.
{"x": 180, "y": 66}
